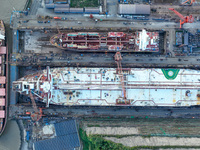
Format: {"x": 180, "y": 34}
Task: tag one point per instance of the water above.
{"x": 10, "y": 139}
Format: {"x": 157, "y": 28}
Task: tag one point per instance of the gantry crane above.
{"x": 188, "y": 2}
{"x": 118, "y": 59}
{"x": 37, "y": 115}
{"x": 186, "y": 19}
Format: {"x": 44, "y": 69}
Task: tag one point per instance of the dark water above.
{"x": 10, "y": 139}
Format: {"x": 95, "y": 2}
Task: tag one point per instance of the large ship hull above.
{"x": 3, "y": 78}
{"x": 102, "y": 87}
{"x": 107, "y": 42}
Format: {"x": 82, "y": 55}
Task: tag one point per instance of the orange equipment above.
{"x": 189, "y": 2}
{"x": 57, "y": 18}
{"x": 37, "y": 115}
{"x": 186, "y": 19}
{"x": 118, "y": 59}
{"x": 182, "y": 45}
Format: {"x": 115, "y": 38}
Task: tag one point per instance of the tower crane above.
{"x": 118, "y": 59}
{"x": 37, "y": 115}
{"x": 186, "y": 19}
{"x": 189, "y": 2}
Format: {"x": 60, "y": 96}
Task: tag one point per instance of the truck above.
{"x": 57, "y": 18}
{"x": 40, "y": 21}
{"x": 63, "y": 18}
{"x": 47, "y": 21}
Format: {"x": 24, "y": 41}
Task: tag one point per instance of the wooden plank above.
{"x": 2, "y": 114}
{"x": 2, "y": 50}
{"x": 2, "y": 101}
{"x": 2, "y": 92}
{"x": 2, "y": 79}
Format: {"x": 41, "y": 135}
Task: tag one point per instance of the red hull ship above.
{"x": 107, "y": 42}
{"x": 3, "y": 78}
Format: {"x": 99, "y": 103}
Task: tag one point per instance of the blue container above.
{"x": 27, "y": 135}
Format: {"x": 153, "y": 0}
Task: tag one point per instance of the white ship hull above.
{"x": 102, "y": 87}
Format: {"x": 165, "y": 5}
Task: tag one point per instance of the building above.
{"x": 133, "y": 9}
{"x": 62, "y": 6}
{"x": 92, "y": 10}
{"x": 66, "y": 137}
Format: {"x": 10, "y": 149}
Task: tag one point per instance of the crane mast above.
{"x": 37, "y": 115}
{"x": 118, "y": 59}
{"x": 186, "y": 19}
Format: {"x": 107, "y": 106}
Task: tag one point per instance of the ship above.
{"x": 107, "y": 42}
{"x": 73, "y": 86}
{"x": 3, "y": 78}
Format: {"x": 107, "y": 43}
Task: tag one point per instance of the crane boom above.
{"x": 33, "y": 102}
{"x": 38, "y": 114}
{"x": 177, "y": 13}
{"x": 187, "y": 1}
{"x": 186, "y": 19}
{"x": 118, "y": 59}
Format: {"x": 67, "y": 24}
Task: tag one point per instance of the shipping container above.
{"x": 27, "y": 135}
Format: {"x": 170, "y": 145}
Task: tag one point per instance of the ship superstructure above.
{"x": 111, "y": 42}
{"x": 3, "y": 78}
{"x": 102, "y": 87}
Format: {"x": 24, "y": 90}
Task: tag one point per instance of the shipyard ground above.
{"x": 148, "y": 122}
{"x": 37, "y": 57}
{"x": 147, "y": 132}
{"x": 79, "y": 111}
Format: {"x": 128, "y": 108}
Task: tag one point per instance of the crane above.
{"x": 182, "y": 45}
{"x": 118, "y": 59}
{"x": 186, "y": 19}
{"x": 189, "y": 2}
{"x": 37, "y": 115}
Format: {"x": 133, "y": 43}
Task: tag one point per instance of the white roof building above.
{"x": 133, "y": 9}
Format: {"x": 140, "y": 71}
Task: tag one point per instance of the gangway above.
{"x": 118, "y": 59}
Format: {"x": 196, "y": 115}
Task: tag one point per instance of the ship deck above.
{"x": 102, "y": 86}
{"x": 143, "y": 86}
